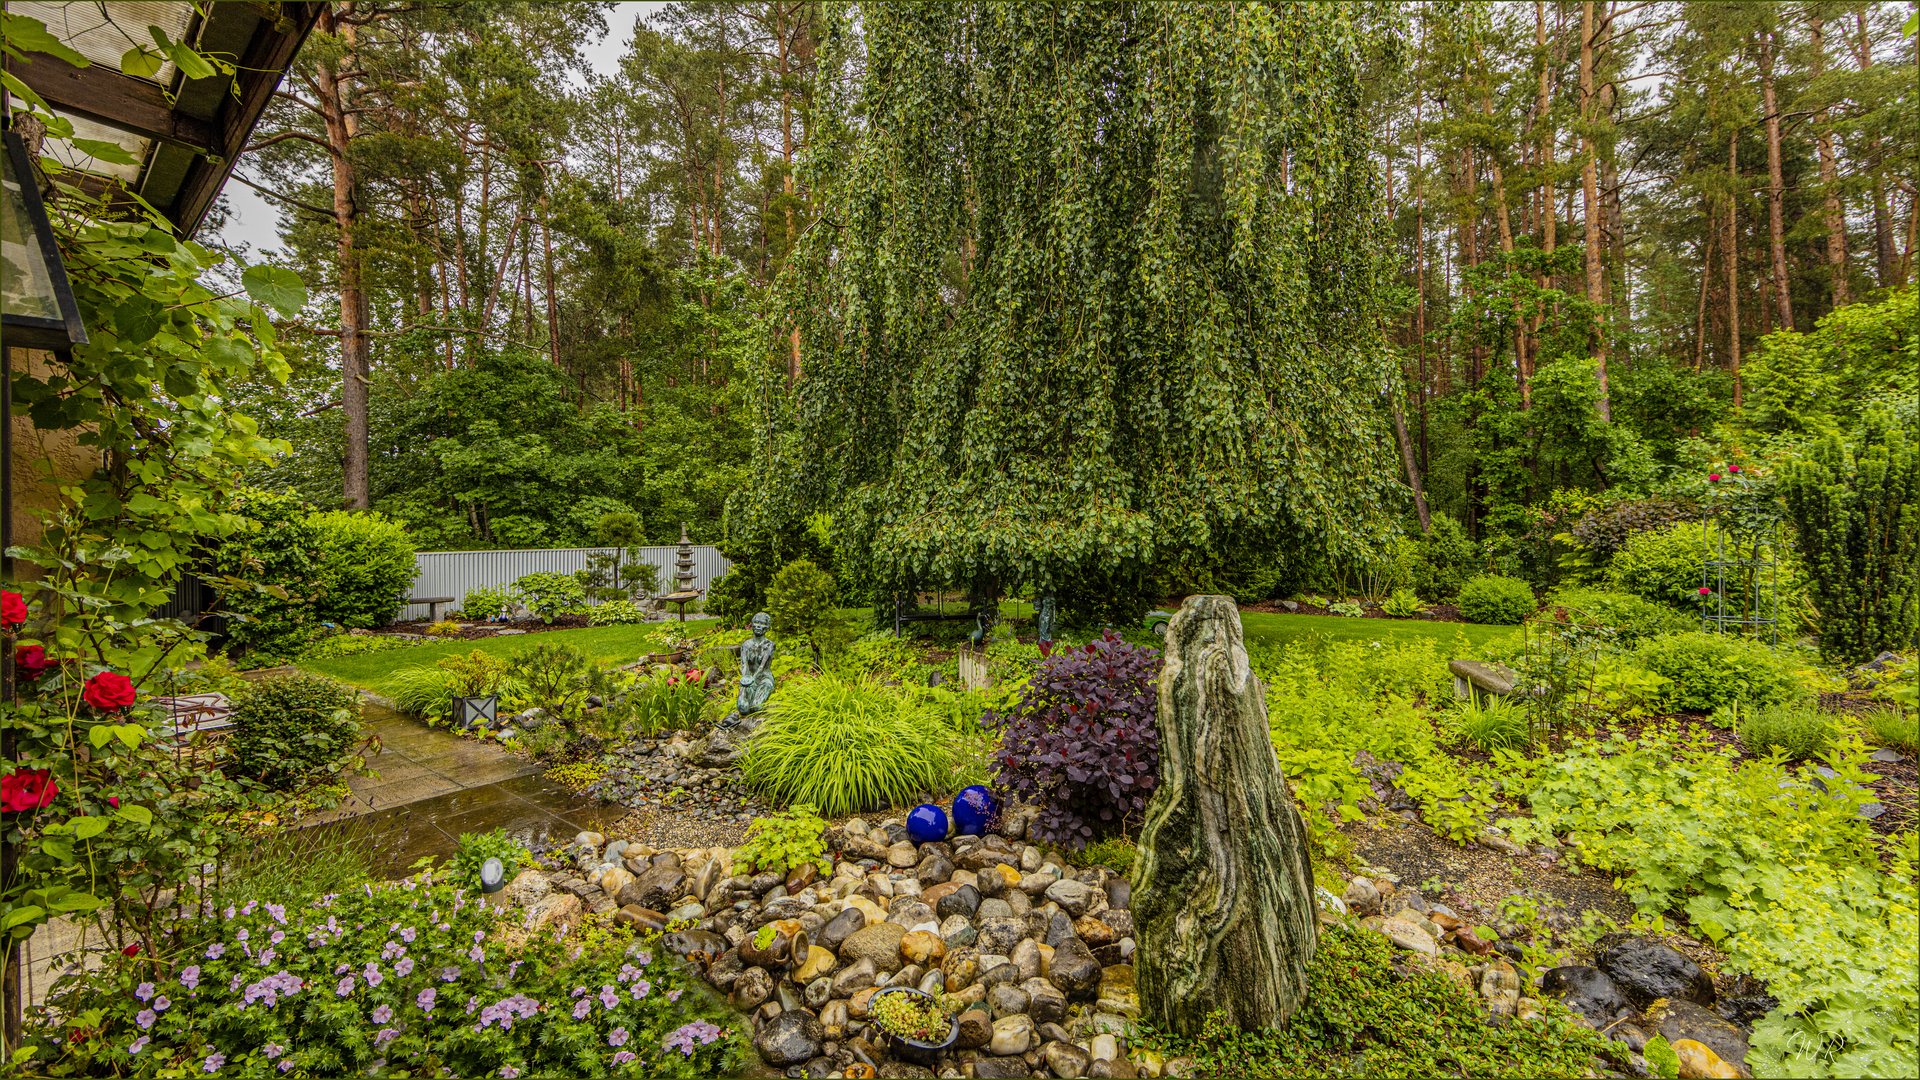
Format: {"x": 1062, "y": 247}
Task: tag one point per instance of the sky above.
{"x": 253, "y": 220}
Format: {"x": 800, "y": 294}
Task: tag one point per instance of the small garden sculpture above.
{"x": 756, "y": 686}
{"x": 1222, "y": 892}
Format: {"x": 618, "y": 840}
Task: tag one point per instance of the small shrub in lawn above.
{"x": 1403, "y": 604}
{"x": 415, "y": 978}
{"x": 1708, "y": 671}
{"x": 1799, "y": 729}
{"x": 615, "y": 613}
{"x": 422, "y": 691}
{"x": 1666, "y": 565}
{"x": 365, "y": 568}
{"x": 445, "y": 628}
{"x": 1081, "y": 742}
{"x": 1496, "y": 600}
{"x": 555, "y": 676}
{"x": 289, "y": 729}
{"x": 801, "y": 599}
{"x": 847, "y": 746}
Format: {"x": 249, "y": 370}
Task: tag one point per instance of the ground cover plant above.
{"x": 418, "y": 977}
{"x": 1369, "y": 1011}
{"x": 1745, "y": 849}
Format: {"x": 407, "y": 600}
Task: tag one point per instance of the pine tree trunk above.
{"x": 1223, "y": 901}
{"x": 1886, "y": 260}
{"x": 355, "y": 369}
{"x": 1731, "y": 250}
{"x": 1834, "y": 213}
{"x": 1776, "y": 184}
{"x": 1590, "y": 201}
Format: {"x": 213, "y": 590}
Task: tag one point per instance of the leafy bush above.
{"x": 549, "y": 594}
{"x": 615, "y": 613}
{"x": 288, "y": 729}
{"x": 846, "y": 747}
{"x": 666, "y": 701}
{"x": 487, "y": 602}
{"x": 1368, "y": 1011}
{"x": 1496, "y": 600}
{"x": 801, "y": 600}
{"x": 474, "y": 849}
{"x": 1605, "y": 529}
{"x": 354, "y": 645}
{"x": 1448, "y": 557}
{"x": 1709, "y": 671}
{"x": 1798, "y": 729}
{"x": 1856, "y": 510}
{"x": 1347, "y": 608}
{"x": 445, "y": 628}
{"x": 1496, "y": 725}
{"x": 1667, "y": 565}
{"x": 1745, "y": 850}
{"x": 413, "y": 978}
{"x": 475, "y": 674}
{"x": 782, "y": 842}
{"x": 264, "y": 575}
{"x": 1633, "y": 618}
{"x": 731, "y": 598}
{"x": 1081, "y": 742}
{"x": 1403, "y": 604}
{"x": 365, "y": 568}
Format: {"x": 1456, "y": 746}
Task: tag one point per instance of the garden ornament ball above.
{"x": 927, "y": 823}
{"x": 974, "y": 809}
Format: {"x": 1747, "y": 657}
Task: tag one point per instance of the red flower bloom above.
{"x": 1713, "y": 477}
{"x": 27, "y": 789}
{"x": 30, "y": 660}
{"x": 131, "y": 950}
{"x": 108, "y": 690}
{"x": 1704, "y": 591}
{"x": 113, "y": 801}
{"x": 1733, "y": 468}
{"x": 13, "y": 607}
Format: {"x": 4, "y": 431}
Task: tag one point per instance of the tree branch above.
{"x": 285, "y": 135}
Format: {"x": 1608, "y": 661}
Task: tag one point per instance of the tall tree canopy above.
{"x": 1095, "y": 290}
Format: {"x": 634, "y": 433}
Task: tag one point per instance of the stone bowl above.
{"x": 917, "y": 1051}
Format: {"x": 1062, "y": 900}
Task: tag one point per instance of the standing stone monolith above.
{"x": 1222, "y": 891}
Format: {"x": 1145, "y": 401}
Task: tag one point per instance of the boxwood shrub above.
{"x": 289, "y": 729}
{"x": 1710, "y": 671}
{"x": 1496, "y": 600}
{"x": 365, "y": 568}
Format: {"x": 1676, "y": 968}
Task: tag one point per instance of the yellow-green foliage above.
{"x": 577, "y": 775}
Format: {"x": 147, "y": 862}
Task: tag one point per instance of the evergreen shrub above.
{"x": 289, "y": 729}
{"x": 1666, "y": 565}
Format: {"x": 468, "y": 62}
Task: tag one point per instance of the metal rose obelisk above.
{"x": 1222, "y": 892}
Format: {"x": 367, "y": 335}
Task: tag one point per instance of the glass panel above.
{"x": 64, "y": 152}
{"x": 104, "y": 32}
{"x": 26, "y": 288}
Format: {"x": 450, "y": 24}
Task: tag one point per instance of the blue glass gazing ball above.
{"x": 927, "y": 823}
{"x": 974, "y": 810}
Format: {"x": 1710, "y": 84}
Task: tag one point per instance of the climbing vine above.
{"x": 1095, "y": 291}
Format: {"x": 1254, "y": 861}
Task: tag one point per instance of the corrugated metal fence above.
{"x": 453, "y": 573}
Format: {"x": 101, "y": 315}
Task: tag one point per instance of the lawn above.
{"x": 606, "y": 644}
{"x": 1280, "y": 629}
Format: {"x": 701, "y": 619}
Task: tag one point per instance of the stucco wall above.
{"x": 42, "y": 461}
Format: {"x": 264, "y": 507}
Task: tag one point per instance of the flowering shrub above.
{"x": 1081, "y": 741}
{"x": 416, "y": 978}
{"x": 1667, "y": 565}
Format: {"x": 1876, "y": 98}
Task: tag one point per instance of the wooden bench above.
{"x": 436, "y": 606}
{"x": 1480, "y": 682}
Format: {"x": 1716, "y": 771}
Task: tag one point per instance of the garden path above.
{"x": 429, "y": 786}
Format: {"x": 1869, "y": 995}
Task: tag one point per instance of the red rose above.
{"x": 113, "y": 801}
{"x": 13, "y": 607}
{"x": 27, "y": 789}
{"x": 131, "y": 950}
{"x": 108, "y": 690}
{"x": 30, "y": 660}
{"x": 1733, "y": 468}
{"x": 1704, "y": 591}
{"x": 1713, "y": 477}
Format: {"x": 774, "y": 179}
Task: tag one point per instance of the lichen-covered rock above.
{"x": 789, "y": 1039}
{"x": 1223, "y": 893}
{"x": 879, "y": 943}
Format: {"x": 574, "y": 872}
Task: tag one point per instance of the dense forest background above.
{"x": 1619, "y": 234}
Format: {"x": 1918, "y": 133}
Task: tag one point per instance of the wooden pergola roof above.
{"x": 185, "y": 133}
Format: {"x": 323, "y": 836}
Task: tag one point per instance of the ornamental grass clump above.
{"x": 1081, "y": 742}
{"x": 413, "y": 978}
{"x": 847, "y": 746}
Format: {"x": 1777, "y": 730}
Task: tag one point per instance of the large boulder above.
{"x": 1588, "y": 991}
{"x": 1649, "y": 971}
{"x": 1222, "y": 899}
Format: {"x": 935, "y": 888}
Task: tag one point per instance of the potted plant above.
{"x": 919, "y": 1025}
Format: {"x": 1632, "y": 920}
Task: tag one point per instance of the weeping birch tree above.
{"x": 1095, "y": 289}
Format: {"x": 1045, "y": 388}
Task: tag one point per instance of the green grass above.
{"x": 605, "y": 644}
{"x": 1279, "y": 629}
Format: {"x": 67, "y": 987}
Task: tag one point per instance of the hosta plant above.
{"x": 1081, "y": 741}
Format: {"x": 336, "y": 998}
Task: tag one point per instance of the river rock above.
{"x": 1361, "y": 898}
{"x": 833, "y": 1019}
{"x": 819, "y": 961}
{"x": 1074, "y": 970}
{"x": 933, "y": 870}
{"x": 1006, "y": 999}
{"x": 879, "y": 943}
{"x": 555, "y": 909}
{"x": 976, "y": 1027}
{"x": 1072, "y": 896}
{"x": 1066, "y": 1059}
{"x": 1588, "y": 991}
{"x": 1045, "y": 1003}
{"x": 841, "y": 927}
{"x": 958, "y": 931}
{"x": 752, "y": 987}
{"x": 903, "y": 855}
{"x": 1000, "y": 934}
{"x": 528, "y": 888}
{"x": 1699, "y": 1062}
{"x": 855, "y": 977}
{"x": 1678, "y": 1018}
{"x": 963, "y": 901}
{"x": 1011, "y": 1035}
{"x": 789, "y": 1039}
{"x": 923, "y": 948}
{"x": 1647, "y": 971}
